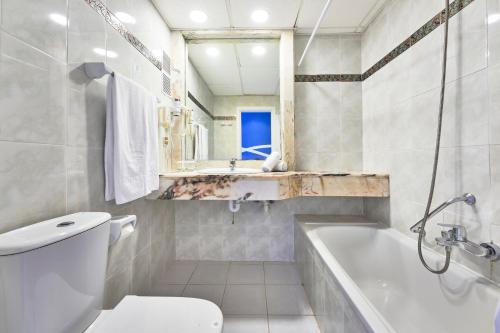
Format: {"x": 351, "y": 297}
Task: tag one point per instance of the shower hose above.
{"x": 421, "y": 234}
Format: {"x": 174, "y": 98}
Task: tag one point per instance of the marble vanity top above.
{"x": 194, "y": 185}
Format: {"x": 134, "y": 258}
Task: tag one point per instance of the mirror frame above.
{"x": 179, "y": 64}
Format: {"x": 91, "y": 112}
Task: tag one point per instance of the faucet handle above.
{"x": 459, "y": 233}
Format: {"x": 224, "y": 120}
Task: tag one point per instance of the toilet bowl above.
{"x": 52, "y": 276}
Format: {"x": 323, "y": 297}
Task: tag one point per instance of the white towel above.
{"x": 131, "y": 148}
{"x": 271, "y": 162}
{"x": 201, "y": 142}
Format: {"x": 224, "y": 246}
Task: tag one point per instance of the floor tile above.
{"x": 212, "y": 293}
{"x": 246, "y": 274}
{"x": 281, "y": 273}
{"x": 244, "y": 300}
{"x": 287, "y": 300}
{"x": 210, "y": 273}
{"x": 245, "y": 324}
{"x": 179, "y": 272}
{"x": 172, "y": 290}
{"x": 293, "y": 324}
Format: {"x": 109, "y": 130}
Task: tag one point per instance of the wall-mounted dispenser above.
{"x": 121, "y": 227}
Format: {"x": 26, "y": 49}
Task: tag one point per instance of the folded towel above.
{"x": 281, "y": 166}
{"x": 131, "y": 147}
{"x": 271, "y": 161}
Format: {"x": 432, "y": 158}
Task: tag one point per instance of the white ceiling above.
{"x": 236, "y": 70}
{"x": 344, "y": 16}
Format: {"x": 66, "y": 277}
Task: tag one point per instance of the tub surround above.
{"x": 270, "y": 186}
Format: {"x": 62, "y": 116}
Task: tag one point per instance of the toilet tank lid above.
{"x": 48, "y": 232}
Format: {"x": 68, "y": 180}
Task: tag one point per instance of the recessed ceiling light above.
{"x": 259, "y": 50}
{"x": 198, "y": 16}
{"x": 103, "y": 52}
{"x": 58, "y": 18}
{"x": 212, "y": 51}
{"x": 125, "y": 17}
{"x": 493, "y": 18}
{"x": 260, "y": 16}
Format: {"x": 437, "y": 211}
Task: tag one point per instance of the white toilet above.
{"x": 52, "y": 281}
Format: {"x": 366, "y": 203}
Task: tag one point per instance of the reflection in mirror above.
{"x": 233, "y": 92}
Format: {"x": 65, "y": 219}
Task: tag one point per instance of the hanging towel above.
{"x": 201, "y": 142}
{"x": 131, "y": 147}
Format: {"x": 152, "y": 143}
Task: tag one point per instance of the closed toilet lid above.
{"x": 161, "y": 315}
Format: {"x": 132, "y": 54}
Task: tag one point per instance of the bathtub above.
{"x": 361, "y": 277}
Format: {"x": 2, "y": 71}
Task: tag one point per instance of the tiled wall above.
{"x": 328, "y": 115}
{"x": 204, "y": 229}
{"x": 52, "y": 124}
{"x": 400, "y": 107}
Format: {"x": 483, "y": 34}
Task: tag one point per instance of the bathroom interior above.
{"x": 249, "y": 166}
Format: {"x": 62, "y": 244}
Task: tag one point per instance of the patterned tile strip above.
{"x": 225, "y": 118}
{"x": 114, "y": 22}
{"x": 417, "y": 36}
{"x": 200, "y": 105}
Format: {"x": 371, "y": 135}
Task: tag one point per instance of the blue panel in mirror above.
{"x": 255, "y": 135}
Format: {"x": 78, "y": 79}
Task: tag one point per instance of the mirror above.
{"x": 232, "y": 88}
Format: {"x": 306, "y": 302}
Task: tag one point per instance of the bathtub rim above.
{"x": 369, "y": 314}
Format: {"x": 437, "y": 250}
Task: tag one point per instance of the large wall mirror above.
{"x": 233, "y": 94}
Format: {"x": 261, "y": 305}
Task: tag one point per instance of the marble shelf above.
{"x": 269, "y": 186}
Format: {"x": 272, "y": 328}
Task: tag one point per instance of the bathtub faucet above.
{"x": 456, "y": 236}
{"x": 468, "y": 198}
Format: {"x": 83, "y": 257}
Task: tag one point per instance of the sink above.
{"x": 216, "y": 171}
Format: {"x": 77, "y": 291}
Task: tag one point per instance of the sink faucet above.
{"x": 232, "y": 164}
{"x": 456, "y": 236}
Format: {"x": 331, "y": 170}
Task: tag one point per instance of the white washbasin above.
{"x": 217, "y": 171}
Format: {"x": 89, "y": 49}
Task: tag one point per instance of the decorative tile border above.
{"x": 201, "y": 106}
{"x": 417, "y": 36}
{"x": 114, "y": 22}
{"x": 225, "y": 118}
{"x": 328, "y": 78}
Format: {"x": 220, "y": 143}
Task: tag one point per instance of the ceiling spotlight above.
{"x": 58, "y": 18}
{"x": 260, "y": 16}
{"x": 198, "y": 16}
{"x": 125, "y": 18}
{"x": 213, "y": 51}
{"x": 259, "y": 50}
{"x": 493, "y": 18}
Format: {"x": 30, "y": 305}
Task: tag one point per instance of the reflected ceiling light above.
{"x": 493, "y": 18}
{"x": 125, "y": 18}
{"x": 212, "y": 51}
{"x": 198, "y": 16}
{"x": 103, "y": 52}
{"x": 58, "y": 18}
{"x": 259, "y": 50}
{"x": 260, "y": 16}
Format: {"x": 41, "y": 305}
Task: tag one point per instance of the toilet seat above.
{"x": 160, "y": 315}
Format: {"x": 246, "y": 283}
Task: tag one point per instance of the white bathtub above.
{"x": 382, "y": 284}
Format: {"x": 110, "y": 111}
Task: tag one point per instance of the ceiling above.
{"x": 236, "y": 70}
{"x": 344, "y": 16}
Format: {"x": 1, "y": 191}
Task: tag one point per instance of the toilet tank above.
{"x": 52, "y": 274}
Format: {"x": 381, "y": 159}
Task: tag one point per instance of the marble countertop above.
{"x": 194, "y": 185}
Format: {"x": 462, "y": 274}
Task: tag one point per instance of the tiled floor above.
{"x": 255, "y": 297}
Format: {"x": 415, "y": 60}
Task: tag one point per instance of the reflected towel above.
{"x": 131, "y": 147}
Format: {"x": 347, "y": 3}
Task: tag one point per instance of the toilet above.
{"x": 52, "y": 278}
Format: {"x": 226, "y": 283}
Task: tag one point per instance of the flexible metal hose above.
{"x": 421, "y": 234}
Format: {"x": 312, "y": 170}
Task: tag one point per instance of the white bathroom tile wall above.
{"x": 52, "y": 125}
{"x": 204, "y": 229}
{"x": 399, "y": 120}
{"x": 328, "y": 115}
